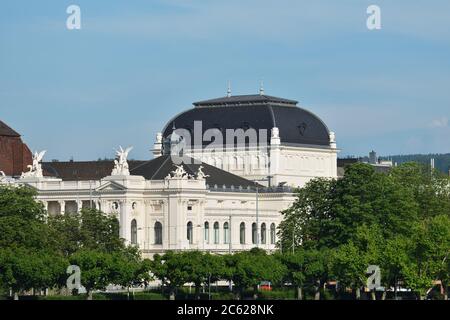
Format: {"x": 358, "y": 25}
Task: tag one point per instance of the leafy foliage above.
{"x": 399, "y": 221}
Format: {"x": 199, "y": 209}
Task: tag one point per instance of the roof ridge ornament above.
{"x": 178, "y": 173}
{"x": 261, "y": 88}
{"x": 229, "y": 89}
{"x": 200, "y": 174}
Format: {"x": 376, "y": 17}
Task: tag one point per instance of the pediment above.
{"x": 110, "y": 186}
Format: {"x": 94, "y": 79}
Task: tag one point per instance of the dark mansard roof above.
{"x": 296, "y": 125}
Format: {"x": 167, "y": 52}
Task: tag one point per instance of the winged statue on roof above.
{"x": 35, "y": 169}
{"x": 120, "y": 163}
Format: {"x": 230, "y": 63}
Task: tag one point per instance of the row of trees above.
{"x": 36, "y": 250}
{"x": 399, "y": 221}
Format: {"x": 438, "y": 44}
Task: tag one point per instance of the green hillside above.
{"x": 441, "y": 161}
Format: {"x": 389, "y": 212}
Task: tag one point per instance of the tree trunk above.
{"x": 444, "y": 290}
{"x": 317, "y": 294}
{"x": 299, "y": 293}
{"x": 239, "y": 294}
{"x": 128, "y": 293}
{"x": 197, "y": 292}
{"x": 89, "y": 295}
{"x": 358, "y": 293}
{"x": 172, "y": 294}
{"x": 373, "y": 295}
{"x": 255, "y": 292}
{"x": 16, "y": 295}
{"x": 395, "y": 288}
{"x": 383, "y": 296}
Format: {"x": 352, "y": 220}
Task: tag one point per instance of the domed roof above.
{"x": 296, "y": 125}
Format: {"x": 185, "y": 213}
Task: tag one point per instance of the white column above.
{"x": 79, "y": 205}
{"x": 275, "y": 152}
{"x": 62, "y": 205}
{"x": 125, "y": 228}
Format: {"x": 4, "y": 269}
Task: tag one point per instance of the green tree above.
{"x": 295, "y": 269}
{"x": 305, "y": 222}
{"x": 128, "y": 269}
{"x": 349, "y": 267}
{"x": 429, "y": 252}
{"x": 394, "y": 258}
{"x": 429, "y": 187}
{"x": 22, "y": 269}
{"x": 95, "y": 268}
{"x": 169, "y": 269}
{"x": 317, "y": 269}
{"x": 250, "y": 268}
{"x": 91, "y": 229}
{"x": 438, "y": 230}
{"x": 20, "y": 201}
{"x": 202, "y": 268}
{"x": 100, "y": 231}
{"x": 28, "y": 248}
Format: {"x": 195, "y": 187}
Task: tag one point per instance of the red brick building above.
{"x": 14, "y": 154}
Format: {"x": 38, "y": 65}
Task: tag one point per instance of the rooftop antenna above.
{"x": 261, "y": 88}
{"x": 229, "y": 89}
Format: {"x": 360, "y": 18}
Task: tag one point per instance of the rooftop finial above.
{"x": 229, "y": 89}
{"x": 261, "y": 87}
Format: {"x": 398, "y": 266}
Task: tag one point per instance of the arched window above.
{"x": 133, "y": 231}
{"x": 242, "y": 233}
{"x": 226, "y": 233}
{"x": 216, "y": 232}
{"x": 272, "y": 233}
{"x": 158, "y": 232}
{"x": 190, "y": 235}
{"x": 263, "y": 233}
{"x": 206, "y": 232}
{"x": 254, "y": 233}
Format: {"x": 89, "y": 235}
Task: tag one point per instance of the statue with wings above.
{"x": 35, "y": 169}
{"x": 121, "y": 164}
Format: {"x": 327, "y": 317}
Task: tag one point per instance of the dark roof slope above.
{"x": 155, "y": 169}
{"x": 5, "y": 130}
{"x": 82, "y": 170}
{"x": 159, "y": 168}
{"x": 296, "y": 125}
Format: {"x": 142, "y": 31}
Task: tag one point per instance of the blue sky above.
{"x": 135, "y": 64}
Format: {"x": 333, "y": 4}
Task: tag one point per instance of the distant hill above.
{"x": 441, "y": 161}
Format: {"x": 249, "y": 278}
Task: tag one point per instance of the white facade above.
{"x": 183, "y": 212}
{"x": 292, "y": 165}
{"x": 158, "y": 215}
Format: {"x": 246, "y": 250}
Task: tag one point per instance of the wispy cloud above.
{"x": 440, "y": 122}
